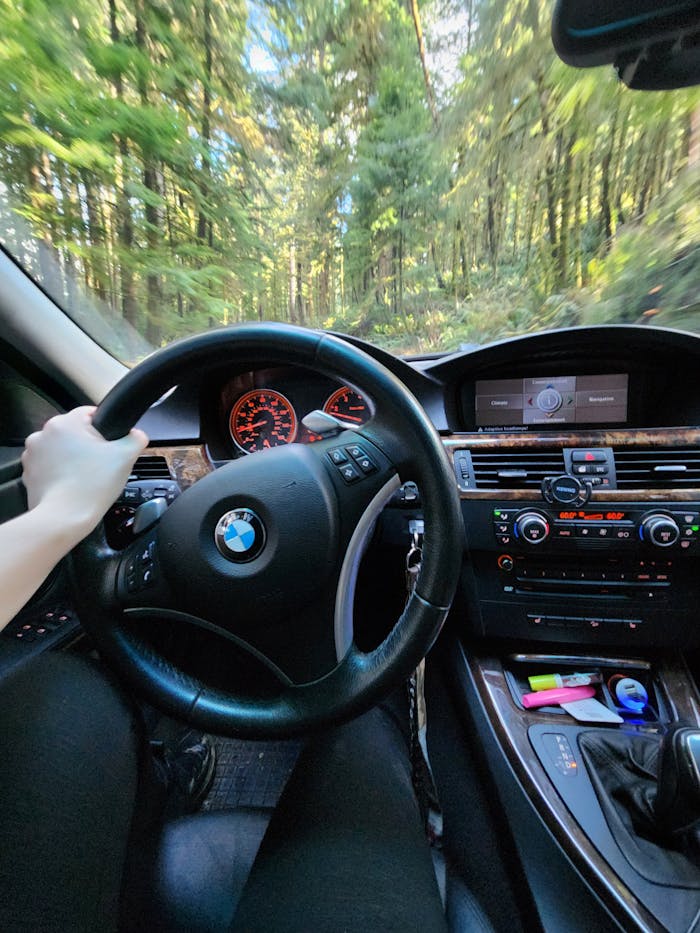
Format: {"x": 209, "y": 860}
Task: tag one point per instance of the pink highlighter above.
{"x": 558, "y": 695}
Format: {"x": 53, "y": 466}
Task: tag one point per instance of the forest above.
{"x": 420, "y": 174}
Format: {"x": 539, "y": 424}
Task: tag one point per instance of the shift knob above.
{"x": 677, "y": 803}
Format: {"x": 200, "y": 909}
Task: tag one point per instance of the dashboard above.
{"x": 265, "y": 407}
{"x": 576, "y": 455}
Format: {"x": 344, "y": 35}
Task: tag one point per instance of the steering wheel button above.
{"x": 349, "y": 472}
{"x": 338, "y": 456}
{"x": 366, "y": 465}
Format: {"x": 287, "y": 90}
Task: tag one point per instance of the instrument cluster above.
{"x": 270, "y": 413}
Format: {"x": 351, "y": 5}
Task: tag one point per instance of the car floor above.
{"x": 250, "y": 774}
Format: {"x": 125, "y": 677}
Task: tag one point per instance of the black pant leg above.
{"x": 69, "y": 761}
{"x": 345, "y": 849}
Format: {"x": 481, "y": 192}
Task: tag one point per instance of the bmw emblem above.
{"x": 240, "y": 535}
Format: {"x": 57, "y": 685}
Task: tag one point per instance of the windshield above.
{"x": 422, "y": 174}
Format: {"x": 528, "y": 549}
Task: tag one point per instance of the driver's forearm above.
{"x": 30, "y": 547}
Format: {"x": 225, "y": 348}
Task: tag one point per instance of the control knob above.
{"x": 532, "y": 527}
{"x": 660, "y": 530}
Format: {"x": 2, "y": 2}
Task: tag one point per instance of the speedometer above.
{"x": 262, "y": 418}
{"x": 348, "y": 405}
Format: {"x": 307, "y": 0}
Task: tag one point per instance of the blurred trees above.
{"x": 387, "y": 167}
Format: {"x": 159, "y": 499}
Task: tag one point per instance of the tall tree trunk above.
{"x": 48, "y": 265}
{"x": 152, "y": 209}
{"x": 400, "y": 257}
{"x": 429, "y": 93}
{"x": 300, "y": 294}
{"x": 292, "y": 284}
{"x": 470, "y": 21}
{"x": 95, "y": 237}
{"x": 605, "y": 170}
{"x": 436, "y": 265}
{"x": 550, "y": 170}
{"x": 565, "y": 215}
{"x": 202, "y": 222}
{"x": 463, "y": 261}
{"x": 125, "y": 223}
{"x": 578, "y": 259}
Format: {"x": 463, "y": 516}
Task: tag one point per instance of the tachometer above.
{"x": 262, "y": 418}
{"x": 348, "y": 405}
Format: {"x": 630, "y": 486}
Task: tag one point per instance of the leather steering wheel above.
{"x": 265, "y": 550}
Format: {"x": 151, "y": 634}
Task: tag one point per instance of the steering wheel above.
{"x": 265, "y": 550}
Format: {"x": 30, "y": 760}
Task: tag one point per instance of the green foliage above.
{"x": 197, "y": 164}
{"x": 652, "y": 272}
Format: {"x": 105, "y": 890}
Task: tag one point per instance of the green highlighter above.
{"x": 552, "y": 681}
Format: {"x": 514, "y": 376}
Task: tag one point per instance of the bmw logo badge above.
{"x": 240, "y": 535}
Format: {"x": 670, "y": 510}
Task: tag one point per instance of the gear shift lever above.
{"x": 677, "y": 803}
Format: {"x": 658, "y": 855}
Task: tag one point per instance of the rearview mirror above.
{"x": 653, "y": 46}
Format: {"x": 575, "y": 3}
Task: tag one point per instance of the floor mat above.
{"x": 250, "y": 774}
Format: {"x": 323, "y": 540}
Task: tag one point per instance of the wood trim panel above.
{"x": 627, "y": 437}
{"x": 511, "y": 727}
{"x": 186, "y": 464}
{"x": 598, "y": 495}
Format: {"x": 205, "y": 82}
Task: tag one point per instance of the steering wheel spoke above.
{"x": 139, "y": 580}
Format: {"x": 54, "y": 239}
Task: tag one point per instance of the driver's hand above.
{"x": 71, "y": 468}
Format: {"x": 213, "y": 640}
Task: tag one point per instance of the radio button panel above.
{"x": 652, "y": 528}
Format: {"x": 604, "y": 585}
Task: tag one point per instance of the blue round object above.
{"x": 631, "y": 694}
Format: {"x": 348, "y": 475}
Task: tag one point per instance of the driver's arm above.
{"x": 72, "y": 475}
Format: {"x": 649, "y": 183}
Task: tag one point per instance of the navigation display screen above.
{"x": 552, "y": 400}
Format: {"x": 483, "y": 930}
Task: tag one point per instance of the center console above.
{"x": 569, "y": 553}
{"x": 645, "y": 878}
{"x": 614, "y": 573}
{"x": 582, "y": 550}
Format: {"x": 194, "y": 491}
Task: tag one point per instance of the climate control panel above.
{"x": 654, "y": 528}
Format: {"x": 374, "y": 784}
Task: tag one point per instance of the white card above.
{"x": 590, "y": 711}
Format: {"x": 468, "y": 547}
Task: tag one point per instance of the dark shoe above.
{"x": 187, "y": 771}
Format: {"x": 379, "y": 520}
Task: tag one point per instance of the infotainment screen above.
{"x": 552, "y": 400}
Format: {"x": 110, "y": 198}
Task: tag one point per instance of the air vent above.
{"x": 515, "y": 469}
{"x": 150, "y": 468}
{"x": 658, "y": 468}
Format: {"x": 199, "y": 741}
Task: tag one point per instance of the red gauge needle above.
{"x": 350, "y": 418}
{"x": 258, "y": 424}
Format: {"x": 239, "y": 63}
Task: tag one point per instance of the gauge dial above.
{"x": 348, "y": 405}
{"x": 262, "y": 418}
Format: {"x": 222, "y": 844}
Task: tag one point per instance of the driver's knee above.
{"x": 71, "y": 747}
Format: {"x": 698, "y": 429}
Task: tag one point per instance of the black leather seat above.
{"x": 205, "y": 861}
{"x": 345, "y": 849}
{"x": 203, "y": 864}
